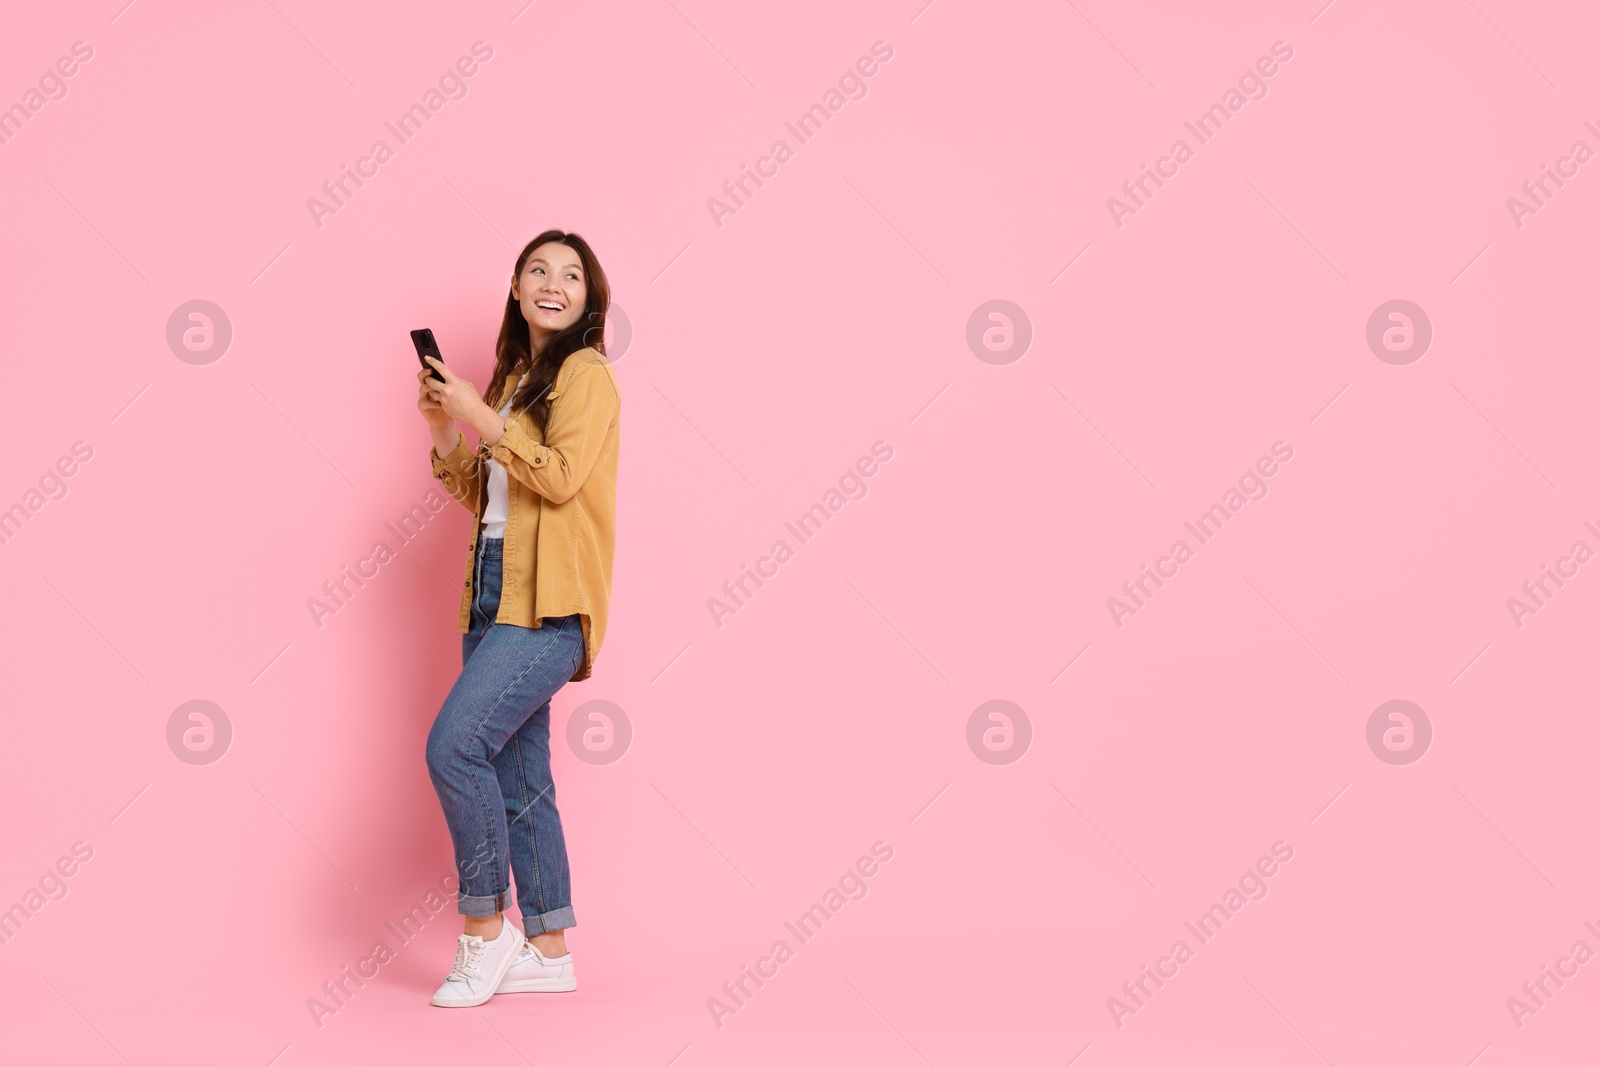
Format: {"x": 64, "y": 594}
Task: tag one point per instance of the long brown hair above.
{"x": 512, "y": 351}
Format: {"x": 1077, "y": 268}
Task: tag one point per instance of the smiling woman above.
{"x": 542, "y": 485}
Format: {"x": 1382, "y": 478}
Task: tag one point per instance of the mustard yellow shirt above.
{"x": 561, "y": 507}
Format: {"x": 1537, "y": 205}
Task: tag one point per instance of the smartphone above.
{"x": 427, "y": 346}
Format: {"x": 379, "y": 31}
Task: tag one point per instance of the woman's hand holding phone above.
{"x": 435, "y": 416}
{"x": 440, "y": 425}
{"x": 457, "y": 398}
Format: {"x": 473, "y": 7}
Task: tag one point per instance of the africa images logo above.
{"x": 1252, "y": 85}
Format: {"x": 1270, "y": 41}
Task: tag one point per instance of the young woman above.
{"x": 542, "y": 488}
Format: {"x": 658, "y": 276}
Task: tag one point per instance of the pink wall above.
{"x": 847, "y": 702}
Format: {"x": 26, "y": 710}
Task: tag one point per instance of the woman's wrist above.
{"x": 445, "y": 438}
{"x": 490, "y": 426}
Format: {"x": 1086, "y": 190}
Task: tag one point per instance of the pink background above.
{"x": 768, "y": 354}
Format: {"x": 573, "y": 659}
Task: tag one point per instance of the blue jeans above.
{"x": 489, "y": 758}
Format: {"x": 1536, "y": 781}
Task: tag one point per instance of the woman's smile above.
{"x": 551, "y": 288}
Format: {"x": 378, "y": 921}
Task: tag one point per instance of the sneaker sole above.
{"x": 539, "y": 985}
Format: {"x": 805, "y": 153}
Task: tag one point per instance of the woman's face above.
{"x": 551, "y": 289}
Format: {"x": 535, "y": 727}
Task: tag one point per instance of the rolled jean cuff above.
{"x": 560, "y": 919}
{"x": 481, "y": 907}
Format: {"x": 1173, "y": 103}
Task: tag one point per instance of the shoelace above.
{"x": 469, "y": 953}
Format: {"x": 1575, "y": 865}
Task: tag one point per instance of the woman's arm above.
{"x": 458, "y": 468}
{"x": 445, "y": 438}
{"x": 580, "y": 418}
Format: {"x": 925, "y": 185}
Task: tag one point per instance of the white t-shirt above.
{"x": 494, "y": 512}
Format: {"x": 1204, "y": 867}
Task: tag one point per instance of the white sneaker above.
{"x": 534, "y": 972}
{"x": 479, "y": 967}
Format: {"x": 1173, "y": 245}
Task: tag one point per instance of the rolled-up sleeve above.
{"x": 581, "y": 417}
{"x": 459, "y": 473}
